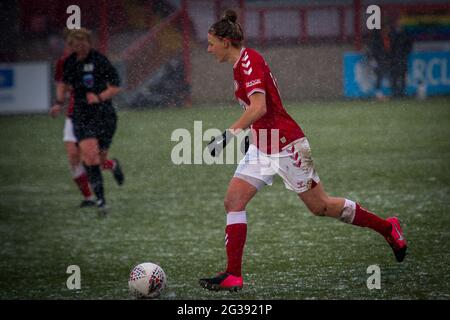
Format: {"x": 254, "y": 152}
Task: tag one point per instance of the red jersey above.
{"x": 59, "y": 73}
{"x": 252, "y": 74}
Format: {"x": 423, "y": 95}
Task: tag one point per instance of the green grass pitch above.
{"x": 393, "y": 157}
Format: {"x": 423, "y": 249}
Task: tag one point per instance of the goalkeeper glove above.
{"x": 217, "y": 144}
{"x": 246, "y": 144}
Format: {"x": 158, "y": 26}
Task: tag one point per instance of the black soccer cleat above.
{"x": 222, "y": 281}
{"x": 102, "y": 208}
{"x": 118, "y": 173}
{"x": 87, "y": 203}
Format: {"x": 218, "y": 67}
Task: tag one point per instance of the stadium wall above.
{"x": 302, "y": 72}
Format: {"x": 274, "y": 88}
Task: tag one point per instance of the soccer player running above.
{"x": 286, "y": 153}
{"x": 94, "y": 82}
{"x": 78, "y": 172}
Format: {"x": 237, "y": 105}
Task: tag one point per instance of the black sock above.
{"x": 96, "y": 181}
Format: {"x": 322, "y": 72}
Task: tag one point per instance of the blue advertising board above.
{"x": 24, "y": 87}
{"x": 6, "y": 78}
{"x": 429, "y": 68}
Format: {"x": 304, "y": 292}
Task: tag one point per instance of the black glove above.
{"x": 217, "y": 144}
{"x": 246, "y": 144}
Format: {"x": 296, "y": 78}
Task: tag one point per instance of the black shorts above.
{"x": 99, "y": 125}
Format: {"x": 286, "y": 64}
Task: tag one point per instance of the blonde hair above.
{"x": 65, "y": 33}
{"x": 79, "y": 34}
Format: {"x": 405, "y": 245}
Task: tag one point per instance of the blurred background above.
{"x": 316, "y": 49}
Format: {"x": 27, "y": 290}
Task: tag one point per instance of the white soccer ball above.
{"x": 147, "y": 280}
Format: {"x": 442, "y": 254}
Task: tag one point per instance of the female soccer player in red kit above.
{"x": 284, "y": 151}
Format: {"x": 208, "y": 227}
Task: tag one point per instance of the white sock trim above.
{"x": 236, "y": 217}
{"x": 77, "y": 171}
{"x": 348, "y": 213}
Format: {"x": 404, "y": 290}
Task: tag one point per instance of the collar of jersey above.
{"x": 87, "y": 57}
{"x": 240, "y": 56}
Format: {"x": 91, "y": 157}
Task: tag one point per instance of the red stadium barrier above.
{"x": 263, "y": 24}
{"x": 350, "y": 26}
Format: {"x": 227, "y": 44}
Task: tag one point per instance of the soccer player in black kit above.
{"x": 94, "y": 82}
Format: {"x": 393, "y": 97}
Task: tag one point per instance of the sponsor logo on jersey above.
{"x": 253, "y": 83}
{"x": 88, "y": 67}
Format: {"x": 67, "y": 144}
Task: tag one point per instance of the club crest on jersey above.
{"x": 88, "y": 80}
{"x": 88, "y": 67}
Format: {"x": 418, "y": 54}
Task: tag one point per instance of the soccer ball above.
{"x": 147, "y": 280}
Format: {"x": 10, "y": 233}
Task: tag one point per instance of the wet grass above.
{"x": 393, "y": 157}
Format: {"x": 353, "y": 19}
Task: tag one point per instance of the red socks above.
{"x": 236, "y": 231}
{"x": 235, "y": 236}
{"x": 364, "y": 218}
{"x": 83, "y": 184}
{"x": 108, "y": 164}
{"x": 81, "y": 178}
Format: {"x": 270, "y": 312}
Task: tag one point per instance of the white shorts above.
{"x": 69, "y": 135}
{"x": 294, "y": 165}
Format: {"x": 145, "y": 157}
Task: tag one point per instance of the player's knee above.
{"x": 91, "y": 159}
{"x": 227, "y": 203}
{"x": 318, "y": 210}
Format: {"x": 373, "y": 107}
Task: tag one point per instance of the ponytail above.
{"x": 228, "y": 28}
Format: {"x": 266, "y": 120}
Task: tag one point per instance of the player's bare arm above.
{"x": 254, "y": 112}
{"x": 61, "y": 89}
